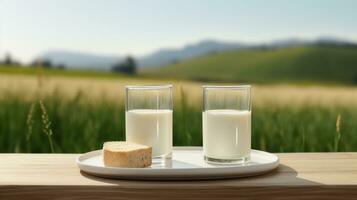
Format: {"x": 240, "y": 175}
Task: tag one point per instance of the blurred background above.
{"x": 64, "y": 65}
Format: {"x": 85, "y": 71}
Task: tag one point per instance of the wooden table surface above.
{"x": 299, "y": 176}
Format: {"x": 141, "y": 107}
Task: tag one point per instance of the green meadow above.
{"x": 51, "y": 110}
{"x": 76, "y": 126}
{"x": 58, "y": 122}
{"x": 329, "y": 64}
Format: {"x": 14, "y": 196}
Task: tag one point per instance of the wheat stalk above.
{"x": 338, "y": 133}
{"x": 46, "y": 125}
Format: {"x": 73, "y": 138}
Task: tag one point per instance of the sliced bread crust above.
{"x": 126, "y": 154}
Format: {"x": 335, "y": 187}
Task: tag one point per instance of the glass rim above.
{"x": 152, "y": 87}
{"x": 245, "y": 86}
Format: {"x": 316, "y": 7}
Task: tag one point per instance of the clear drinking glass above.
{"x": 148, "y": 118}
{"x": 226, "y": 124}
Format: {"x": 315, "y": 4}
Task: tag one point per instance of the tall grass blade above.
{"x": 46, "y": 125}
{"x": 338, "y": 134}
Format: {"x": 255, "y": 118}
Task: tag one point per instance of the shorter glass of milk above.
{"x": 148, "y": 118}
{"x": 226, "y": 124}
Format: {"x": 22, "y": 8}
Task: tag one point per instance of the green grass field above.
{"x": 75, "y": 124}
{"x": 78, "y": 126}
{"x": 294, "y": 64}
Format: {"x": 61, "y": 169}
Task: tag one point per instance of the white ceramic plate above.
{"x": 186, "y": 164}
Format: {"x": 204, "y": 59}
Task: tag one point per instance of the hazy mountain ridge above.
{"x": 78, "y": 60}
{"x": 166, "y": 56}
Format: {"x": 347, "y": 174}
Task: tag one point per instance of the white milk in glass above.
{"x": 150, "y": 127}
{"x": 227, "y": 134}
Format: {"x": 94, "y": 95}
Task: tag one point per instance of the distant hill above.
{"x": 318, "y": 62}
{"x": 76, "y": 60}
{"x": 161, "y": 57}
{"x": 172, "y": 56}
{"x": 168, "y": 56}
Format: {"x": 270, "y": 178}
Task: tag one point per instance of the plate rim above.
{"x": 169, "y": 172}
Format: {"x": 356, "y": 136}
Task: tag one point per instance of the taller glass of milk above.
{"x": 148, "y": 118}
{"x": 226, "y": 124}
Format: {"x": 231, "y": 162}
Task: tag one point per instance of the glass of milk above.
{"x": 226, "y": 124}
{"x": 148, "y": 118}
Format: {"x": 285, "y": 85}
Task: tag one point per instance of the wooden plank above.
{"x": 300, "y": 175}
{"x": 112, "y": 192}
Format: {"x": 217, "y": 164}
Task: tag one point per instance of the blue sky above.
{"x": 119, "y": 27}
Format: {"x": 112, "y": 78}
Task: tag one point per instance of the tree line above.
{"x": 127, "y": 66}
